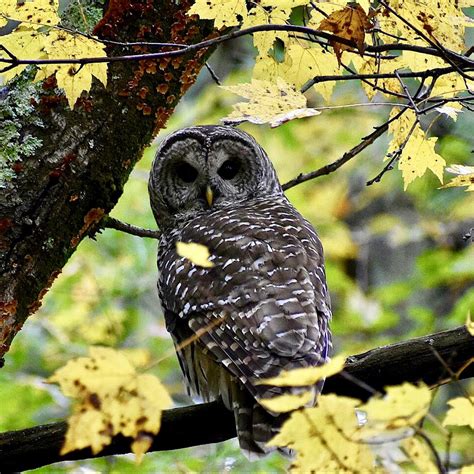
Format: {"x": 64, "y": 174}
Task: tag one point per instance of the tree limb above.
{"x": 458, "y": 61}
{"x": 430, "y": 359}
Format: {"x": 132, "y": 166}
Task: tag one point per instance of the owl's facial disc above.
{"x": 205, "y": 168}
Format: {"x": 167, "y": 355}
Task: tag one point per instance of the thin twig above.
{"x": 351, "y": 77}
{"x": 395, "y": 157}
{"x": 447, "y": 458}
{"x": 453, "y": 375}
{"x": 366, "y": 141}
{"x": 407, "y": 92}
{"x": 429, "y": 443}
{"x": 112, "y": 223}
{"x": 214, "y": 76}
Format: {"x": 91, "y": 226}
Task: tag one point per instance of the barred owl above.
{"x": 264, "y": 305}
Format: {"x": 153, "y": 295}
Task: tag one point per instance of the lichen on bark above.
{"x": 17, "y": 110}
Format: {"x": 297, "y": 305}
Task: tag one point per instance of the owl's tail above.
{"x": 255, "y": 425}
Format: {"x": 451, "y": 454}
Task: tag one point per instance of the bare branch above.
{"x": 394, "y": 158}
{"x": 111, "y": 223}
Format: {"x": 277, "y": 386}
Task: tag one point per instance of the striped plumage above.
{"x": 264, "y": 305}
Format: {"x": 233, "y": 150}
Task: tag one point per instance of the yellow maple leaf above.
{"x": 269, "y": 12}
{"x": 23, "y": 43}
{"x": 196, "y": 253}
{"x": 418, "y": 154}
{"x": 112, "y": 398}
{"x": 306, "y": 376}
{"x": 73, "y": 78}
{"x": 325, "y": 9}
{"x": 268, "y": 103}
{"x": 448, "y": 85}
{"x": 225, "y": 13}
{"x": 465, "y": 177}
{"x": 263, "y": 40}
{"x": 34, "y": 13}
{"x": 402, "y": 406}
{"x": 461, "y": 412}
{"x": 467, "y": 469}
{"x": 420, "y": 454}
{"x": 287, "y": 402}
{"x": 369, "y": 65}
{"x": 302, "y": 64}
{"x": 442, "y": 22}
{"x": 323, "y": 438}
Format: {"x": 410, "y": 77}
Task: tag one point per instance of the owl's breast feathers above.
{"x": 264, "y": 306}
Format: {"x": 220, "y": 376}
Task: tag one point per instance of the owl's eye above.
{"x": 229, "y": 169}
{"x": 186, "y": 172}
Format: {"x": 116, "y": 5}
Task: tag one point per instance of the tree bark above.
{"x": 57, "y": 196}
{"x": 434, "y": 359}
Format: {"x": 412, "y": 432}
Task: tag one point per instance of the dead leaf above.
{"x": 350, "y": 23}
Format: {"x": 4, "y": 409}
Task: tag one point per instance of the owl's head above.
{"x": 199, "y": 169}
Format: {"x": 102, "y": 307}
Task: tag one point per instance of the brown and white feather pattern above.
{"x": 264, "y": 306}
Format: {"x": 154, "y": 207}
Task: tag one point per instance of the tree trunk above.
{"x": 58, "y": 194}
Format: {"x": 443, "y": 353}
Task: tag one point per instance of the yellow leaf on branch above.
{"x": 461, "y": 412}
{"x": 369, "y": 65}
{"x": 324, "y": 438}
{"x": 446, "y": 86}
{"x": 73, "y": 78}
{"x": 442, "y": 22}
{"x": 195, "y": 253}
{"x": 111, "y": 398}
{"x": 465, "y": 177}
{"x": 270, "y": 12}
{"x": 287, "y": 402}
{"x": 402, "y": 406}
{"x": 299, "y": 66}
{"x": 225, "y": 13}
{"x": 306, "y": 376}
{"x": 420, "y": 454}
{"x": 418, "y": 151}
{"x": 268, "y": 103}
{"x": 27, "y": 42}
{"x": 23, "y": 43}
{"x": 33, "y": 13}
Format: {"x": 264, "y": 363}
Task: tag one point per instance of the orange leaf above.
{"x": 351, "y": 23}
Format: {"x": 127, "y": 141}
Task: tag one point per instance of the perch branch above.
{"x": 422, "y": 359}
{"x": 112, "y": 223}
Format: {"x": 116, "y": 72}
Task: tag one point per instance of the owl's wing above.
{"x": 264, "y": 306}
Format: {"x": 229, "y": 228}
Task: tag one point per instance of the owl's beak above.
{"x": 209, "y": 195}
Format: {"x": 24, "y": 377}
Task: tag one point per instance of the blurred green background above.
{"x": 397, "y": 265}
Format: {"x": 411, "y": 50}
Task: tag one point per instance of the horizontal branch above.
{"x": 436, "y": 72}
{"x": 432, "y": 359}
{"x": 112, "y": 223}
{"x": 459, "y": 59}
